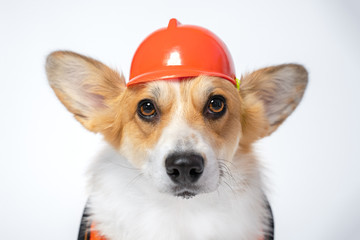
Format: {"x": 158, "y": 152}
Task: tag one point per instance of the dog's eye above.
{"x": 216, "y": 107}
{"x": 146, "y": 109}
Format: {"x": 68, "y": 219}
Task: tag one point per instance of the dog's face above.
{"x": 178, "y": 132}
{"x": 182, "y": 134}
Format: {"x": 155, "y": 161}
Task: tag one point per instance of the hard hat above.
{"x": 180, "y": 51}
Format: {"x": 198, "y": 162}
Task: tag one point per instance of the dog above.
{"x": 180, "y": 162}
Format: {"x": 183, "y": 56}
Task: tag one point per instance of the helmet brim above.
{"x": 175, "y": 74}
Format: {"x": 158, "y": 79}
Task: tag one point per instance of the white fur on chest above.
{"x": 124, "y": 205}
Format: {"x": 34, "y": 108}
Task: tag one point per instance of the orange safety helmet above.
{"x": 180, "y": 51}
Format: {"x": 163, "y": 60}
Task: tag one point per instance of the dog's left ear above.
{"x": 270, "y": 95}
{"x": 85, "y": 86}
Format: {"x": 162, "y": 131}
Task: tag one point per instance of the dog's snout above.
{"x": 184, "y": 168}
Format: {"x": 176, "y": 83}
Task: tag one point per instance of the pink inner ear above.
{"x": 97, "y": 101}
{"x": 93, "y": 100}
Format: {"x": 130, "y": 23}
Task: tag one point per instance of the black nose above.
{"x": 184, "y": 168}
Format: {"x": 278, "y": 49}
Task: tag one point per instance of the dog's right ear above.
{"x": 270, "y": 95}
{"x": 85, "y": 86}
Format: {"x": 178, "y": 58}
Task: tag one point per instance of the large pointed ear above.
{"x": 270, "y": 95}
{"x": 85, "y": 86}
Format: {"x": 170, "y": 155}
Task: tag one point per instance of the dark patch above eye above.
{"x": 215, "y": 107}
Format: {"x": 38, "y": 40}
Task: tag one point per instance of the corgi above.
{"x": 179, "y": 162}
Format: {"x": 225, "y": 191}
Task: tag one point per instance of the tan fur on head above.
{"x": 98, "y": 98}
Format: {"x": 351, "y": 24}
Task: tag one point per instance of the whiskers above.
{"x": 121, "y": 164}
{"x": 226, "y": 175}
{"x": 134, "y": 179}
{"x": 138, "y": 173}
{"x": 238, "y": 180}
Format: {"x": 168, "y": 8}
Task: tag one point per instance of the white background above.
{"x": 313, "y": 160}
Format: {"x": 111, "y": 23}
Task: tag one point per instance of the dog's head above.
{"x": 183, "y": 134}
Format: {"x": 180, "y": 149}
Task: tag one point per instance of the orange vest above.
{"x": 94, "y": 235}
{"x": 88, "y": 232}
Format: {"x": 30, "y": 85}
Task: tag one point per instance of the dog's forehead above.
{"x": 201, "y": 86}
{"x": 162, "y": 89}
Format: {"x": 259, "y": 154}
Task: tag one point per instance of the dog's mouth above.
{"x": 185, "y": 194}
